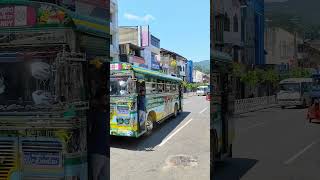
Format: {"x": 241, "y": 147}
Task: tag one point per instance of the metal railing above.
{"x": 254, "y": 104}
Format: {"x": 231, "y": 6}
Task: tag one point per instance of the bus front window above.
{"x": 120, "y": 86}
{"x": 295, "y": 87}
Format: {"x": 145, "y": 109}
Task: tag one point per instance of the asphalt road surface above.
{"x": 273, "y": 144}
{"x": 177, "y": 150}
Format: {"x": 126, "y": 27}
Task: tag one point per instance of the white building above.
{"x": 114, "y": 31}
{"x": 197, "y": 76}
{"x": 232, "y": 29}
{"x": 280, "y": 46}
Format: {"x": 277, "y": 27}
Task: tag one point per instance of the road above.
{"x": 273, "y": 144}
{"x": 177, "y": 149}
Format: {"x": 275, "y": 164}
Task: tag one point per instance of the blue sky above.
{"x": 183, "y": 26}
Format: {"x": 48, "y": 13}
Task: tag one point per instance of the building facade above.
{"x": 248, "y": 31}
{"x": 189, "y": 70}
{"x": 232, "y": 29}
{"x": 280, "y": 46}
{"x": 114, "y": 31}
{"x": 173, "y": 64}
{"x": 140, "y": 36}
{"x": 259, "y": 31}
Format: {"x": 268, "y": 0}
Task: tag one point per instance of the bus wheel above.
{"x": 149, "y": 125}
{"x": 175, "y": 110}
{"x": 282, "y": 107}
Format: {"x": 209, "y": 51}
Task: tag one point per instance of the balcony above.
{"x": 132, "y": 59}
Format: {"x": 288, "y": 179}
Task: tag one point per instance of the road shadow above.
{"x": 147, "y": 143}
{"x": 295, "y": 107}
{"x": 233, "y": 169}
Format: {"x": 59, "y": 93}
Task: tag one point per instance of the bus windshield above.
{"x": 119, "y": 86}
{"x": 290, "y": 87}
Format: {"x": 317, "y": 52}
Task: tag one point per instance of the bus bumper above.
{"x": 290, "y": 103}
{"x": 125, "y": 133}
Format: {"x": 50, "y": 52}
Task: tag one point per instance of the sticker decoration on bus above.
{"x": 41, "y": 159}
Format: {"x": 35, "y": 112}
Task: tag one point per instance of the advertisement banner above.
{"x": 15, "y": 16}
{"x": 32, "y": 16}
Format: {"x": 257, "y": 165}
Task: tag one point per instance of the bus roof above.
{"x": 145, "y": 71}
{"x": 296, "y": 80}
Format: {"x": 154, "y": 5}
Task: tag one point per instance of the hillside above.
{"x": 203, "y": 66}
{"x": 307, "y": 12}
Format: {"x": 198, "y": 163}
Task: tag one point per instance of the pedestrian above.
{"x": 98, "y": 137}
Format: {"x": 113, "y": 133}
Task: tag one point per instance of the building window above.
{"x": 155, "y": 41}
{"x": 226, "y": 23}
{"x": 235, "y": 24}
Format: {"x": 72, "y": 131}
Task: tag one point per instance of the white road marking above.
{"x": 300, "y": 153}
{"x": 203, "y": 110}
{"x": 253, "y": 126}
{"x": 167, "y": 139}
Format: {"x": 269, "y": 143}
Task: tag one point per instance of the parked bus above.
{"x": 163, "y": 95}
{"x": 45, "y": 50}
{"x": 222, "y": 130}
{"x": 294, "y": 92}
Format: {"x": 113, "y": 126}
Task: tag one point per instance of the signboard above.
{"x": 155, "y": 64}
{"x": 42, "y": 159}
{"x": 119, "y": 67}
{"x": 15, "y": 16}
{"x": 145, "y": 36}
{"x": 136, "y": 59}
{"x": 93, "y": 8}
{"x": 45, "y": 37}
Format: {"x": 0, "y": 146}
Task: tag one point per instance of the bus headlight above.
{"x": 127, "y": 121}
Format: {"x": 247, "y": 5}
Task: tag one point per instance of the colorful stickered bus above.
{"x": 141, "y": 98}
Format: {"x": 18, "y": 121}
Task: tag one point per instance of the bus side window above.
{"x": 160, "y": 87}
{"x": 149, "y": 88}
{"x": 167, "y": 87}
{"x": 154, "y": 88}
{"x": 173, "y": 88}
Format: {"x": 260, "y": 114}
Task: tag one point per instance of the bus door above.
{"x": 141, "y": 115}
{"x": 180, "y": 97}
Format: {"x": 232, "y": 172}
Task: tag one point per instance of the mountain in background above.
{"x": 306, "y": 13}
{"x": 203, "y": 66}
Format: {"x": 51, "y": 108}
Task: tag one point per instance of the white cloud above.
{"x": 147, "y": 18}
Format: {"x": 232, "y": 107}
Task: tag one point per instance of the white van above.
{"x": 294, "y": 92}
{"x": 202, "y": 90}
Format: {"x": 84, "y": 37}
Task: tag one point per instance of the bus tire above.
{"x": 175, "y": 110}
{"x": 282, "y": 107}
{"x": 149, "y": 125}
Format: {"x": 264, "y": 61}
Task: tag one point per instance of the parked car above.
{"x": 208, "y": 96}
